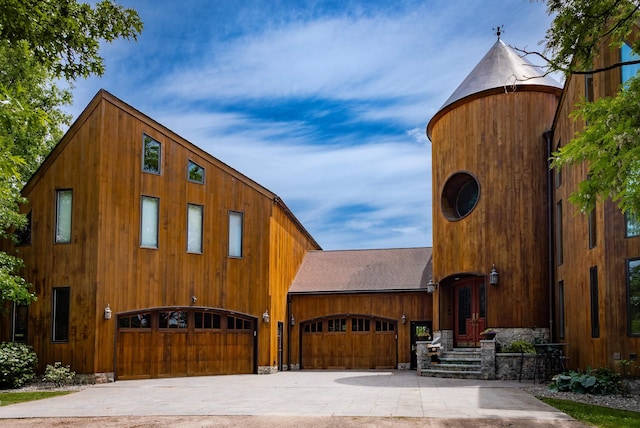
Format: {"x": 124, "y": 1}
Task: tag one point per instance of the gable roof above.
{"x": 502, "y": 69}
{"x": 348, "y": 271}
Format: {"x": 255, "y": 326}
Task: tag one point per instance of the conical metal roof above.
{"x": 503, "y": 69}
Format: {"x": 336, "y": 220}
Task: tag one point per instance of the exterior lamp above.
{"x": 431, "y": 286}
{"x": 265, "y": 316}
{"x": 292, "y": 320}
{"x": 404, "y": 318}
{"x": 493, "y": 276}
{"x": 107, "y": 312}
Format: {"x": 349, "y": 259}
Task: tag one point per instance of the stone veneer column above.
{"x": 488, "y": 355}
{"x": 422, "y": 356}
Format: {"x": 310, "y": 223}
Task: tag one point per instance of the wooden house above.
{"x": 150, "y": 257}
{"x": 361, "y": 309}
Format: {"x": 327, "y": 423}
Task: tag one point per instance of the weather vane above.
{"x": 499, "y": 30}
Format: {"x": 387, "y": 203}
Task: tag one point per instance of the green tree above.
{"x": 610, "y": 143}
{"x": 42, "y": 41}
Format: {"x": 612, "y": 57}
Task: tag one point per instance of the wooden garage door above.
{"x": 184, "y": 342}
{"x": 349, "y": 342}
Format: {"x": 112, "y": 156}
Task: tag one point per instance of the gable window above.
{"x": 632, "y": 225}
{"x": 633, "y": 297}
{"x": 149, "y": 222}
{"x": 151, "y": 155}
{"x": 64, "y": 203}
{"x": 627, "y": 54}
{"x": 23, "y": 235}
{"x": 194, "y": 228}
{"x": 195, "y": 172}
{"x": 559, "y": 246}
{"x": 235, "y": 233}
{"x": 595, "y": 313}
{"x": 60, "y": 314}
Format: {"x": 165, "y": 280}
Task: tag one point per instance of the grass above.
{"x": 596, "y": 415}
{"x": 7, "y": 398}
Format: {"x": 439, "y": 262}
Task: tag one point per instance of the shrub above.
{"x": 520, "y": 346}
{"x": 17, "y": 364}
{"x": 597, "y": 382}
{"x": 58, "y": 374}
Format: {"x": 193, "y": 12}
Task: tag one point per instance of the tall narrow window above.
{"x": 235, "y": 233}
{"x": 559, "y": 245}
{"x": 595, "y": 313}
{"x": 23, "y": 235}
{"x": 561, "y": 309}
{"x": 64, "y": 203}
{"x": 60, "y": 313}
{"x": 149, "y": 222}
{"x": 593, "y": 231}
{"x": 558, "y": 170}
{"x": 194, "y": 228}
{"x": 633, "y": 225}
{"x": 633, "y": 297}
{"x": 588, "y": 87}
{"x": 195, "y": 172}
{"x": 20, "y": 317}
{"x": 151, "y": 155}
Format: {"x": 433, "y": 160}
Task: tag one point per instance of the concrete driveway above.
{"x": 299, "y": 398}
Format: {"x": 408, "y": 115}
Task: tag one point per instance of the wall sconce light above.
{"x": 194, "y": 299}
{"x": 493, "y": 276}
{"x": 292, "y": 320}
{"x": 265, "y": 316}
{"x": 404, "y": 318}
{"x": 432, "y": 286}
{"x": 107, "y": 312}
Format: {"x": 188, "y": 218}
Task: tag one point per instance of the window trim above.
{"x": 54, "y": 314}
{"x": 189, "y": 179}
{"x": 157, "y": 232}
{"x": 57, "y": 234}
{"x": 201, "y": 237}
{"x": 144, "y": 146}
{"x": 630, "y": 332}
{"x": 240, "y": 253}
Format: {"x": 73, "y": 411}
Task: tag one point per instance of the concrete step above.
{"x": 452, "y": 374}
{"x": 455, "y": 367}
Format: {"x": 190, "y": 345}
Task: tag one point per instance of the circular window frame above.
{"x": 449, "y": 197}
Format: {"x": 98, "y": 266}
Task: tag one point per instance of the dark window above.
{"x": 633, "y": 296}
{"x": 588, "y": 87}
{"x": 172, "y": 319}
{"x": 593, "y": 230}
{"x": 558, "y": 170}
{"x": 235, "y": 323}
{"x": 135, "y": 321}
{"x": 561, "y": 309}
{"x": 460, "y": 195}
{"x": 23, "y": 235}
{"x": 20, "y": 320}
{"x": 207, "y": 320}
{"x": 195, "y": 172}
{"x": 559, "y": 245}
{"x": 337, "y": 325}
{"x": 384, "y": 326}
{"x": 360, "y": 324}
{"x": 314, "y": 327}
{"x": 595, "y": 313}
{"x": 61, "y": 307}
{"x": 151, "y": 155}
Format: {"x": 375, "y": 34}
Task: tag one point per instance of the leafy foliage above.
{"x": 58, "y": 374}
{"x": 17, "y": 364}
{"x": 520, "y": 346}
{"x": 611, "y": 146}
{"x": 65, "y": 35}
{"x": 597, "y": 382}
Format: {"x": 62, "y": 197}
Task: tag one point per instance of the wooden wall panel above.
{"x": 499, "y": 139}
{"x": 417, "y": 306}
{"x": 609, "y": 255}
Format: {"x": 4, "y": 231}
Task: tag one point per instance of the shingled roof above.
{"x": 347, "y": 271}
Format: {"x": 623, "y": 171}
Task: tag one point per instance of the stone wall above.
{"x": 508, "y": 366}
{"x": 506, "y": 336}
{"x": 267, "y": 369}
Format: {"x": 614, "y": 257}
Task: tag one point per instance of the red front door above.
{"x": 469, "y": 312}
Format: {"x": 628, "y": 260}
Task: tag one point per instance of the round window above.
{"x": 459, "y": 196}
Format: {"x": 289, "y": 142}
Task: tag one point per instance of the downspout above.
{"x": 550, "y": 216}
{"x": 289, "y": 328}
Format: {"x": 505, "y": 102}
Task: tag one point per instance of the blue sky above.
{"x": 324, "y": 103}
